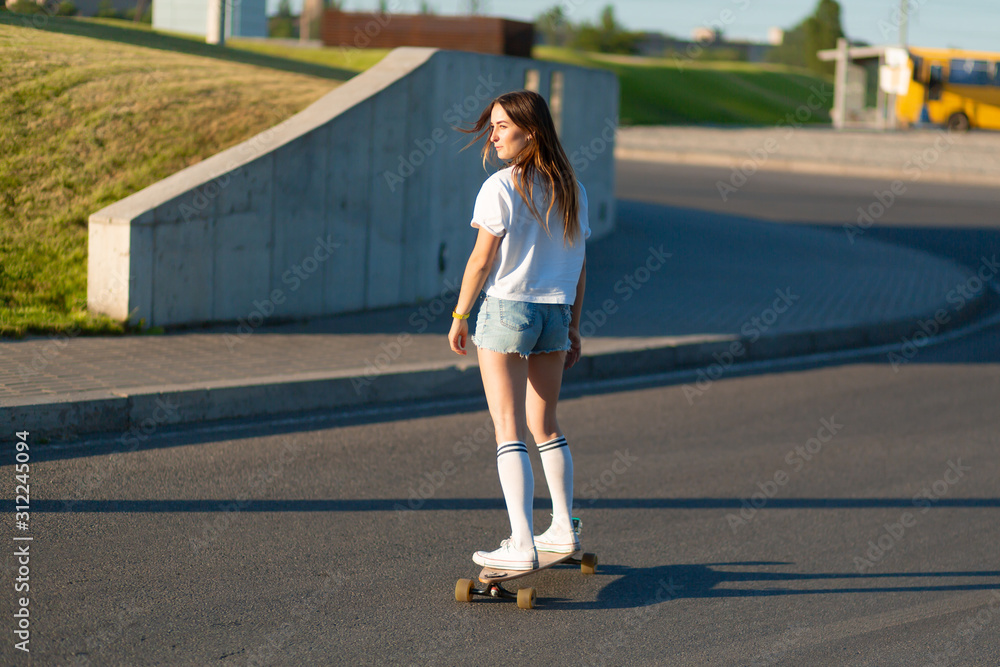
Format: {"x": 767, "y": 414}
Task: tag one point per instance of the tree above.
{"x": 816, "y": 32}
{"x": 822, "y": 32}
{"x": 607, "y": 37}
{"x": 283, "y": 23}
{"x": 106, "y": 10}
{"x": 555, "y": 27}
{"x": 140, "y": 11}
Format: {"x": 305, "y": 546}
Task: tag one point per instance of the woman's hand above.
{"x": 575, "y": 346}
{"x": 458, "y": 335}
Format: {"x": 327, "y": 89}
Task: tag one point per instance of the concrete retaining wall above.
{"x": 360, "y": 201}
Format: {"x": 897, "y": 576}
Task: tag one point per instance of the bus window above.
{"x": 969, "y": 72}
{"x": 935, "y": 83}
{"x": 918, "y": 64}
{"x": 995, "y": 74}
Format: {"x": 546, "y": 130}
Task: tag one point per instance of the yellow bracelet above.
{"x": 455, "y": 314}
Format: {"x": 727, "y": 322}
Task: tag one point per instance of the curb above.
{"x": 136, "y": 414}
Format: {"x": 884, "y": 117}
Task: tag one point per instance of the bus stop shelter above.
{"x": 867, "y": 80}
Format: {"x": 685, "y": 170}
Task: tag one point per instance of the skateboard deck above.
{"x": 492, "y": 578}
{"x": 490, "y": 575}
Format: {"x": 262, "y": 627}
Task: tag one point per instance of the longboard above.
{"x": 492, "y": 577}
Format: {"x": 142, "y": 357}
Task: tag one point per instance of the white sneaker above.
{"x": 557, "y": 540}
{"x": 507, "y": 557}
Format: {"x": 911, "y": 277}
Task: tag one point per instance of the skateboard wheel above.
{"x": 526, "y": 598}
{"x": 463, "y": 590}
{"x": 588, "y": 563}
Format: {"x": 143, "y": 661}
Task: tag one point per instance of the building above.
{"x": 382, "y": 30}
{"x": 246, "y": 18}
{"x": 714, "y": 46}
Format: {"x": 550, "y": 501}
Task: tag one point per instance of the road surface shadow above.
{"x": 646, "y": 588}
{"x": 405, "y": 505}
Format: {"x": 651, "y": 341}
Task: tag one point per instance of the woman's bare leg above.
{"x": 545, "y": 373}
{"x": 505, "y": 380}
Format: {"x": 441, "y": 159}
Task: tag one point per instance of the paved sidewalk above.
{"x": 671, "y": 288}
{"x": 971, "y": 158}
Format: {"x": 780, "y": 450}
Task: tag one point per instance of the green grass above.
{"x": 350, "y": 59}
{"x": 667, "y": 91}
{"x": 88, "y": 120}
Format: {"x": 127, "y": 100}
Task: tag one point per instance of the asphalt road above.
{"x": 840, "y": 512}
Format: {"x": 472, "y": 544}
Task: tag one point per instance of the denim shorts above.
{"x": 522, "y": 326}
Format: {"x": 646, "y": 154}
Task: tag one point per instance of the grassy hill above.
{"x": 88, "y": 118}
{"x": 664, "y": 91}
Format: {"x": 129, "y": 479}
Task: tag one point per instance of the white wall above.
{"x": 354, "y": 203}
{"x": 244, "y": 18}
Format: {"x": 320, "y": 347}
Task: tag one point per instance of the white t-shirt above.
{"x": 530, "y": 265}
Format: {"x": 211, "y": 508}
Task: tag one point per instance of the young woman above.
{"x": 529, "y": 259}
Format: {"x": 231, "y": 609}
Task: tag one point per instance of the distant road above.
{"x": 959, "y": 222}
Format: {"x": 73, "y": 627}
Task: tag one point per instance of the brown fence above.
{"x": 458, "y": 33}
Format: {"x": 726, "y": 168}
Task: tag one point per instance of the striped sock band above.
{"x": 510, "y": 448}
{"x": 555, "y": 443}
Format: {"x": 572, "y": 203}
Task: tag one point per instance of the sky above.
{"x": 967, "y": 24}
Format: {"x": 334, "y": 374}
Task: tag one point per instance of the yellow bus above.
{"x": 955, "y": 88}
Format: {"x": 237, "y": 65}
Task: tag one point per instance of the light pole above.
{"x": 904, "y": 19}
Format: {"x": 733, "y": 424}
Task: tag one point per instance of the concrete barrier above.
{"x": 360, "y": 201}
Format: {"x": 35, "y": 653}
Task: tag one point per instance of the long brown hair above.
{"x": 542, "y": 155}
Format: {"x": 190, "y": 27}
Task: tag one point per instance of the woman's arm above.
{"x": 476, "y": 271}
{"x": 575, "y": 342}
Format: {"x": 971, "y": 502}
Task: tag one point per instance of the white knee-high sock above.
{"x": 518, "y": 485}
{"x": 558, "y": 466}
